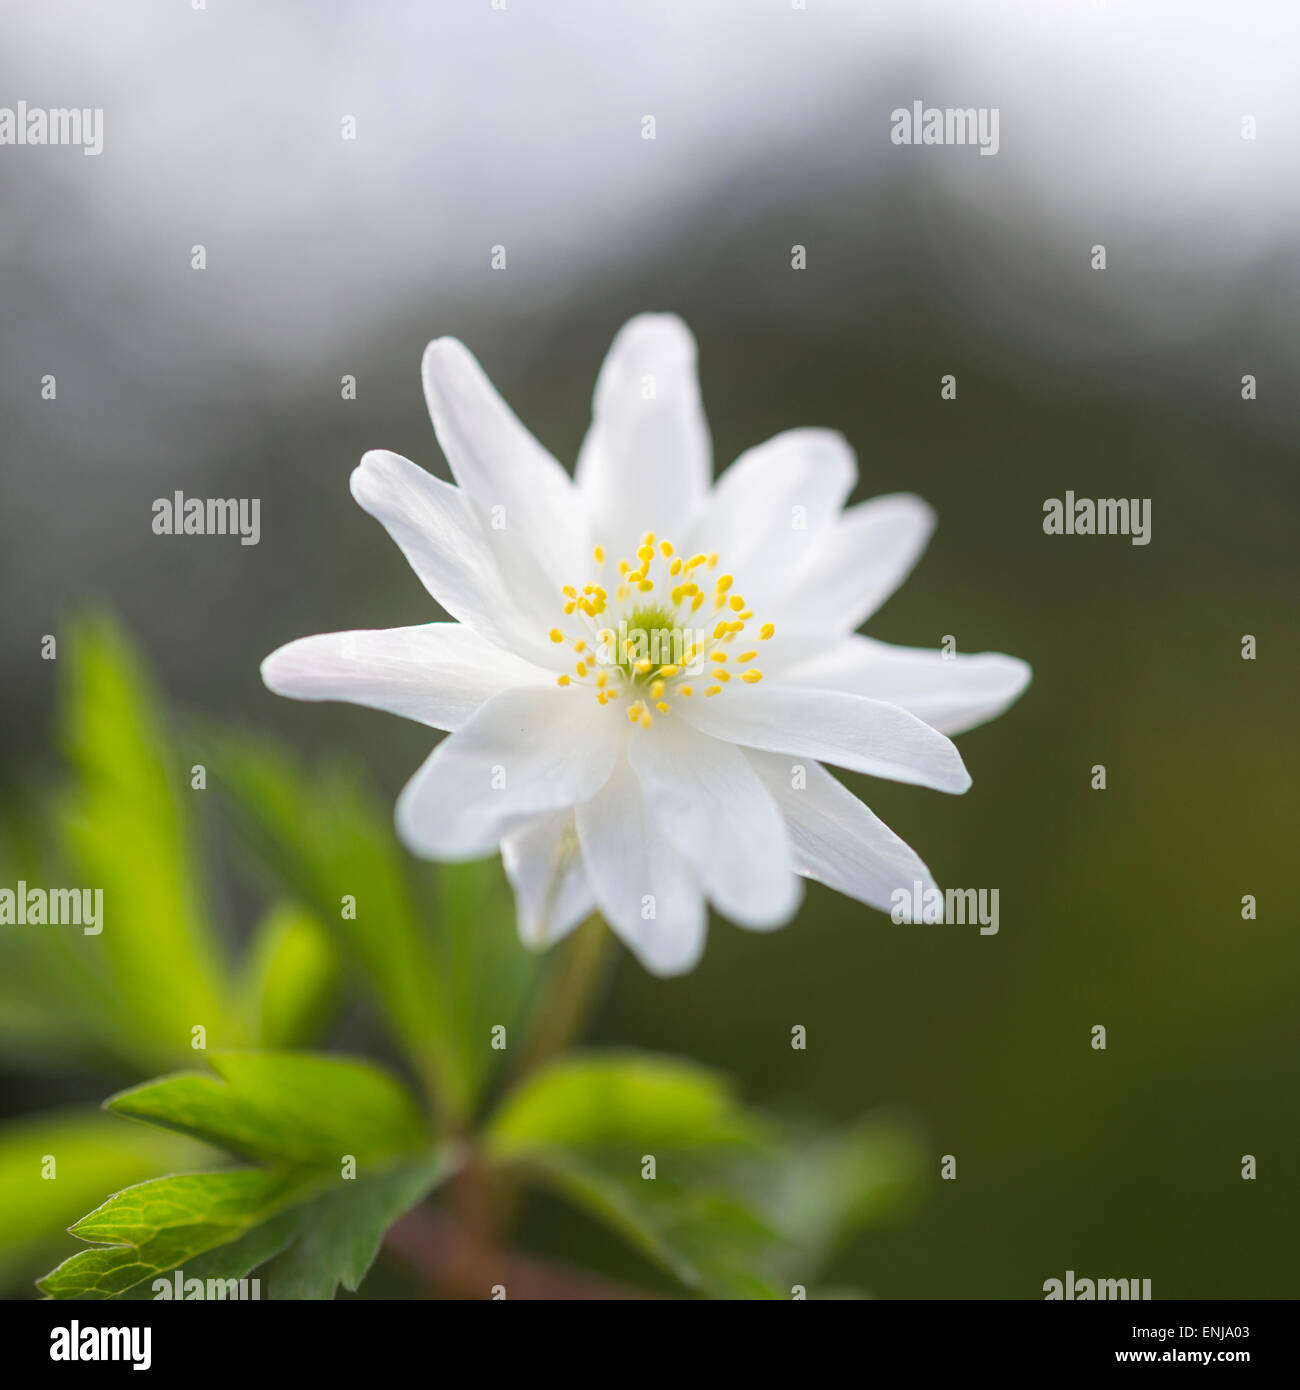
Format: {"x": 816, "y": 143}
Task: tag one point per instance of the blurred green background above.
{"x": 1119, "y": 907}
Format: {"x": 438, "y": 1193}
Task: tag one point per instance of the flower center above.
{"x": 643, "y": 650}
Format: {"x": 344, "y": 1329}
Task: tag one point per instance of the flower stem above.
{"x": 571, "y": 990}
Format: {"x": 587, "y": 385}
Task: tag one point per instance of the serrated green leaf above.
{"x": 591, "y": 1099}
{"x": 148, "y": 1230}
{"x": 291, "y": 1108}
{"x": 291, "y": 978}
{"x": 585, "y": 1124}
{"x": 235, "y": 1260}
{"x": 706, "y": 1238}
{"x": 92, "y": 1154}
{"x": 340, "y": 1232}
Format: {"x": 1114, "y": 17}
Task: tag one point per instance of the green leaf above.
{"x": 585, "y": 1124}
{"x": 125, "y": 829}
{"x": 828, "y": 1188}
{"x": 292, "y": 978}
{"x": 305, "y": 1114}
{"x": 325, "y": 843}
{"x": 327, "y": 1240}
{"x": 705, "y": 1237}
{"x": 292, "y": 1108}
{"x": 56, "y": 1003}
{"x": 224, "y": 1225}
{"x": 151, "y": 1229}
{"x": 340, "y": 1232}
{"x": 235, "y": 1260}
{"x": 92, "y": 1154}
{"x": 591, "y": 1099}
{"x": 490, "y": 974}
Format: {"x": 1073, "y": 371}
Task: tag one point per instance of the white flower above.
{"x": 646, "y": 673}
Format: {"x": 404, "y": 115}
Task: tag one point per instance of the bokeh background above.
{"x": 1120, "y": 125}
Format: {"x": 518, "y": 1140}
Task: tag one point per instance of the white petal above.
{"x": 526, "y": 751}
{"x": 646, "y": 890}
{"x": 711, "y": 805}
{"x": 863, "y": 558}
{"x": 847, "y": 730}
{"x": 544, "y": 865}
{"x": 501, "y": 465}
{"x": 646, "y": 461}
{"x": 439, "y": 673}
{"x": 836, "y": 839}
{"x": 951, "y": 693}
{"x": 767, "y": 516}
{"x": 478, "y": 576}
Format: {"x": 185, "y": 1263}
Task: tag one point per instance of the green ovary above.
{"x": 655, "y": 637}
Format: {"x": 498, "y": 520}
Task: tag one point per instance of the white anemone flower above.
{"x": 646, "y": 671}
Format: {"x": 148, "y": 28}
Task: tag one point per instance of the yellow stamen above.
{"x": 628, "y": 666}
